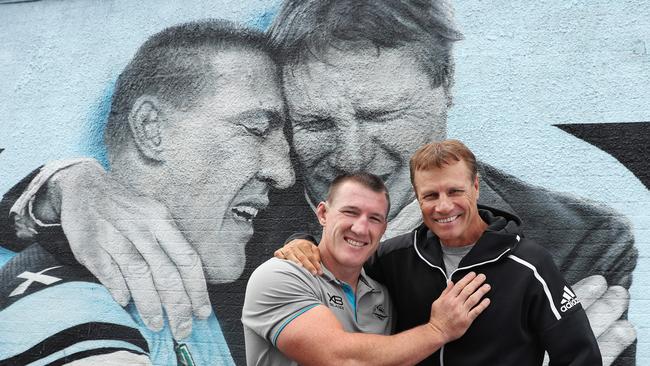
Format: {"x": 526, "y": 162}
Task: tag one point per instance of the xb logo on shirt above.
{"x": 335, "y": 301}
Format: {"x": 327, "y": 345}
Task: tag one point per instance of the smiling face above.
{"x": 221, "y": 157}
{"x": 364, "y": 110}
{"x": 353, "y": 222}
{"x": 448, "y": 199}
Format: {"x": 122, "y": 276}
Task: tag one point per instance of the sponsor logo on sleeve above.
{"x": 569, "y": 300}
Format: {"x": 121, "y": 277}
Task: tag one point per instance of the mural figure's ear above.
{"x": 145, "y": 121}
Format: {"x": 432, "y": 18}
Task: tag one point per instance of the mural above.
{"x": 220, "y": 135}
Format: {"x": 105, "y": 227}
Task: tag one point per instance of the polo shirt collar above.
{"x": 363, "y": 279}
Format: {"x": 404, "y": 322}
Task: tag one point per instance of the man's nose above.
{"x": 275, "y": 165}
{"x": 444, "y": 204}
{"x": 353, "y": 152}
{"x": 360, "y": 226}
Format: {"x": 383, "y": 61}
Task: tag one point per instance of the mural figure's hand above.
{"x": 459, "y": 304}
{"x": 302, "y": 252}
{"x": 132, "y": 245}
{"x": 604, "y": 307}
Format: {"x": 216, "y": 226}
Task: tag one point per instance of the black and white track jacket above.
{"x": 532, "y": 308}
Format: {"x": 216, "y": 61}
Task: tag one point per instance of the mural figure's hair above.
{"x": 175, "y": 66}
{"x": 305, "y": 29}
{"x": 438, "y": 154}
{"x": 368, "y": 180}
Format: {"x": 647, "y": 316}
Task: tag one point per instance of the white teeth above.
{"x": 355, "y": 243}
{"x": 448, "y": 219}
{"x": 246, "y": 213}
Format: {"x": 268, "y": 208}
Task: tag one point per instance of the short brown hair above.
{"x": 440, "y": 153}
{"x": 368, "y": 180}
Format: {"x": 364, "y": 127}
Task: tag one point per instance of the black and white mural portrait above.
{"x": 152, "y": 154}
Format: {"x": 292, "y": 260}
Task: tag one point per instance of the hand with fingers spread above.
{"x": 459, "y": 304}
{"x": 131, "y": 244}
{"x": 302, "y": 252}
{"x": 605, "y": 305}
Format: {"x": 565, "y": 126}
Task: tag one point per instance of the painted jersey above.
{"x": 52, "y": 313}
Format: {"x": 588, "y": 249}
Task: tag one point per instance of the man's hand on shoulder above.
{"x": 131, "y": 244}
{"x": 302, "y": 252}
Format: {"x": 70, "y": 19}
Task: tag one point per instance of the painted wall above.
{"x": 555, "y": 94}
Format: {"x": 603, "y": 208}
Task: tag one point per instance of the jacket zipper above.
{"x": 415, "y": 245}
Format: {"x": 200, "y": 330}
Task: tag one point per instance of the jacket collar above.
{"x": 501, "y": 237}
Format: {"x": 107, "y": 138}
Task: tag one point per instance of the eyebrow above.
{"x": 355, "y": 208}
{"x": 276, "y": 117}
{"x": 313, "y": 112}
{"x": 372, "y": 113}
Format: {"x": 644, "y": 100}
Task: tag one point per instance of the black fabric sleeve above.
{"x": 303, "y": 236}
{"x": 373, "y": 268}
{"x": 557, "y": 315}
{"x": 569, "y": 343}
{"x": 8, "y": 238}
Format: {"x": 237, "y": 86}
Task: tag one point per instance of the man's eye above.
{"x": 378, "y": 115}
{"x": 258, "y": 128}
{"x": 315, "y": 124}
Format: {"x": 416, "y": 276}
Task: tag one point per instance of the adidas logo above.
{"x": 569, "y": 300}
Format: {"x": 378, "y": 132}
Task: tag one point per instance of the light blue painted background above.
{"x": 523, "y": 67}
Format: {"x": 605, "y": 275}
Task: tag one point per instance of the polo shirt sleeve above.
{"x": 278, "y": 291}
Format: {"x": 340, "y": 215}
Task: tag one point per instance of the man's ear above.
{"x": 321, "y": 210}
{"x": 477, "y": 186}
{"x": 145, "y": 119}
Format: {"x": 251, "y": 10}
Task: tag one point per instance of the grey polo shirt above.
{"x": 278, "y": 291}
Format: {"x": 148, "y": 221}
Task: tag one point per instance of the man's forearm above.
{"x": 405, "y": 348}
{"x": 343, "y": 348}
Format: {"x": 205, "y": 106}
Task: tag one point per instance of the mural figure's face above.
{"x": 364, "y": 109}
{"x": 227, "y": 150}
{"x": 353, "y": 223}
{"x": 448, "y": 199}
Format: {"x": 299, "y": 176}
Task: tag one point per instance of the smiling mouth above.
{"x": 447, "y": 220}
{"x": 355, "y": 243}
{"x": 245, "y": 213}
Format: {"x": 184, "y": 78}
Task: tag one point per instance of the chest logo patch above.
{"x": 379, "y": 312}
{"x": 335, "y": 301}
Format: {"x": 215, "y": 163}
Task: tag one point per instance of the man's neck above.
{"x": 474, "y": 234}
{"x": 349, "y": 275}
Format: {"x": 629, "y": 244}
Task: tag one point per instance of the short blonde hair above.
{"x": 440, "y": 153}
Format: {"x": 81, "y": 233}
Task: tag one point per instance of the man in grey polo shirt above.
{"x": 290, "y": 315}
